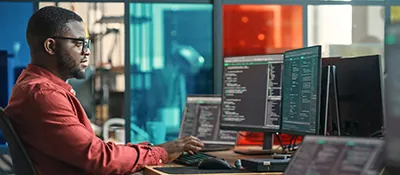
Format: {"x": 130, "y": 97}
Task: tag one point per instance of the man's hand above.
{"x": 188, "y": 144}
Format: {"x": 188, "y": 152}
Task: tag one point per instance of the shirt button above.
{"x": 160, "y": 161}
{"x": 73, "y": 91}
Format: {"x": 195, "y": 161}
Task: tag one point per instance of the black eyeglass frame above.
{"x": 85, "y": 45}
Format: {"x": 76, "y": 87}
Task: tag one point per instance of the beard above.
{"x": 67, "y": 65}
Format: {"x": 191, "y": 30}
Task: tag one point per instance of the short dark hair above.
{"x": 48, "y": 21}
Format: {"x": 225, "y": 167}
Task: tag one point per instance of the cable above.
{"x": 379, "y": 133}
{"x": 248, "y": 135}
{"x": 375, "y": 133}
{"x": 279, "y": 140}
{"x": 290, "y": 143}
{"x": 294, "y": 143}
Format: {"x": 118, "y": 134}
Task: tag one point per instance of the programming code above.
{"x": 333, "y": 157}
{"x": 252, "y": 91}
{"x": 301, "y": 78}
{"x": 201, "y": 119}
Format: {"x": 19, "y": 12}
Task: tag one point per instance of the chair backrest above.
{"x": 22, "y": 164}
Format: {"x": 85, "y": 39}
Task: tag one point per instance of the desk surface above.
{"x": 229, "y": 156}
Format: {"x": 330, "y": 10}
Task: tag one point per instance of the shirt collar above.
{"x": 47, "y": 74}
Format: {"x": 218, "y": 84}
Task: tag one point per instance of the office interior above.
{"x": 148, "y": 56}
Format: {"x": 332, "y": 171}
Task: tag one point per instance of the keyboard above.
{"x": 192, "y": 160}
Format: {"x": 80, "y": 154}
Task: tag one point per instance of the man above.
{"x": 49, "y": 119}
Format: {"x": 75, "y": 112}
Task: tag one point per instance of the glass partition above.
{"x": 352, "y": 31}
{"x": 261, "y": 29}
{"x": 171, "y": 57}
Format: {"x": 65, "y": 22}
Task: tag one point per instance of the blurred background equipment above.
{"x": 171, "y": 57}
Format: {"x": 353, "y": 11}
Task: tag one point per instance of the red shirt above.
{"x": 58, "y": 136}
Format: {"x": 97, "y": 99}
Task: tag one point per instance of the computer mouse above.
{"x": 214, "y": 164}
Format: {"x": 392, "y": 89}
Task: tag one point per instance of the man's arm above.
{"x": 57, "y": 132}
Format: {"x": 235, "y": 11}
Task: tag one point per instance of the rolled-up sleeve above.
{"x": 158, "y": 154}
{"x": 55, "y": 130}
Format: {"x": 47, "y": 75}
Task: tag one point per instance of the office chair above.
{"x": 22, "y": 164}
{"x": 111, "y": 122}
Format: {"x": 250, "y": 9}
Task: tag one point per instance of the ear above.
{"x": 50, "y": 46}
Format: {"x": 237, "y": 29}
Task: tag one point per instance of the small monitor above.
{"x": 201, "y": 119}
{"x": 251, "y": 95}
{"x": 301, "y": 91}
{"x": 329, "y": 155}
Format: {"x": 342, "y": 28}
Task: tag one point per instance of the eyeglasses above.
{"x": 85, "y": 42}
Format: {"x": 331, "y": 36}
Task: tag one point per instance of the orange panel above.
{"x": 261, "y": 29}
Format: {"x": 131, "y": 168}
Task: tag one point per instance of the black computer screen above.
{"x": 301, "y": 91}
{"x": 201, "y": 119}
{"x": 360, "y": 94}
{"x": 251, "y": 95}
{"x": 324, "y": 155}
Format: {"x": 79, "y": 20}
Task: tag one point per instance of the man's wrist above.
{"x": 162, "y": 154}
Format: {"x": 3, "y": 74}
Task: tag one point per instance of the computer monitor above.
{"x": 201, "y": 118}
{"x": 360, "y": 94}
{"x": 251, "y": 95}
{"x": 301, "y": 91}
{"x": 330, "y": 155}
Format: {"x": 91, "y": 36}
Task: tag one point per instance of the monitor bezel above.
{"x": 242, "y": 127}
{"x": 318, "y": 111}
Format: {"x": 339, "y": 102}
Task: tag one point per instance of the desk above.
{"x": 229, "y": 156}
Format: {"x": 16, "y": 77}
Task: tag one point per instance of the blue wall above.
{"x": 14, "y": 17}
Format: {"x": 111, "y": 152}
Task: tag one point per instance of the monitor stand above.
{"x": 390, "y": 170}
{"x": 266, "y": 149}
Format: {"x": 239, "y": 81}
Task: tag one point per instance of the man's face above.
{"x": 71, "y": 58}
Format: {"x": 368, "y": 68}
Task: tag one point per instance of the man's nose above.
{"x": 86, "y": 52}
